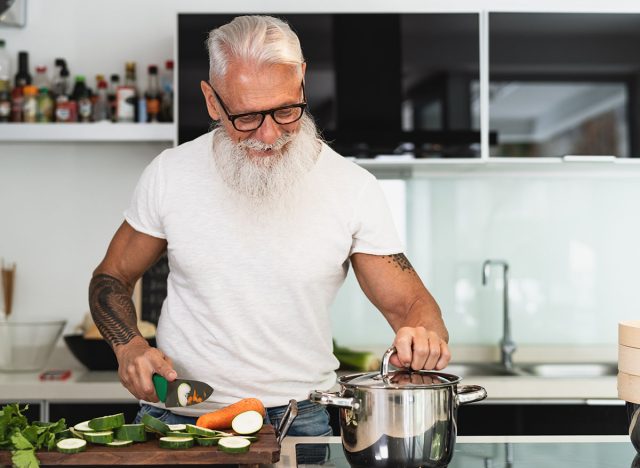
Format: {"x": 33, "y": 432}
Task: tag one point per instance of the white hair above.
{"x": 261, "y": 40}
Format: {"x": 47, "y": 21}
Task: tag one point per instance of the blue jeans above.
{"x": 312, "y": 419}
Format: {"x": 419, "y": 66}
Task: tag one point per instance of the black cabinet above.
{"x": 542, "y": 419}
{"x": 564, "y": 84}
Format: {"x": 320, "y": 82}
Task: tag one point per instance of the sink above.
{"x": 570, "y": 370}
{"x": 546, "y": 370}
{"x": 476, "y": 369}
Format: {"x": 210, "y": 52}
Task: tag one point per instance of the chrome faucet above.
{"x": 507, "y": 345}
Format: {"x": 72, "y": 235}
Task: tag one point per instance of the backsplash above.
{"x": 570, "y": 242}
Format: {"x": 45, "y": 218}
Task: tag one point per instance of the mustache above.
{"x": 254, "y": 144}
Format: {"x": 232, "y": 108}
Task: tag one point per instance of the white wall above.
{"x": 60, "y": 203}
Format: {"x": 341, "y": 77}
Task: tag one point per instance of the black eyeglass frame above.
{"x": 272, "y": 112}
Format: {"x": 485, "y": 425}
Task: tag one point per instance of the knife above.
{"x": 181, "y": 392}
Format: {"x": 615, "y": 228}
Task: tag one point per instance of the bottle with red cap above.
{"x": 166, "y": 106}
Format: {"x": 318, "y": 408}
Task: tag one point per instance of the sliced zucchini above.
{"x": 201, "y": 431}
{"x": 99, "y": 437}
{"x": 208, "y": 441}
{"x": 183, "y": 393}
{"x": 176, "y": 443}
{"x": 106, "y": 423}
{"x": 177, "y": 427}
{"x": 64, "y": 434}
{"x": 120, "y": 443}
{"x": 234, "y": 444}
{"x": 83, "y": 427}
{"x": 77, "y": 434}
{"x": 178, "y": 434}
{"x": 133, "y": 432}
{"x": 154, "y": 424}
{"x": 248, "y": 422}
{"x": 71, "y": 445}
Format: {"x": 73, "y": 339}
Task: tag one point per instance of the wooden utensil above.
{"x": 8, "y": 278}
{"x": 629, "y": 333}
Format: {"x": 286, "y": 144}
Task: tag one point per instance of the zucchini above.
{"x": 133, "y": 432}
{"x": 234, "y": 444}
{"x": 83, "y": 427}
{"x": 208, "y": 441}
{"x": 248, "y": 422}
{"x": 176, "y": 443}
{"x": 99, "y": 437}
{"x": 120, "y": 443}
{"x": 77, "y": 434}
{"x": 178, "y": 434}
{"x": 106, "y": 423}
{"x": 154, "y": 424}
{"x": 177, "y": 427}
{"x": 201, "y": 431}
{"x": 71, "y": 445}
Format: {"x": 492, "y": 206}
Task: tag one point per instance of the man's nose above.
{"x": 269, "y": 131}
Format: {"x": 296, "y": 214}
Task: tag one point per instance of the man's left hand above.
{"x": 419, "y": 348}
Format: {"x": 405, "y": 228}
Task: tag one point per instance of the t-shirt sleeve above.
{"x": 373, "y": 229}
{"x": 144, "y": 213}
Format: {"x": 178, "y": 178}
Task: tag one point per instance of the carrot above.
{"x": 221, "y": 419}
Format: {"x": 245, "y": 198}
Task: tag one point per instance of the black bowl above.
{"x": 94, "y": 354}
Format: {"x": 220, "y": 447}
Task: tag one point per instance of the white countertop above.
{"x": 104, "y": 386}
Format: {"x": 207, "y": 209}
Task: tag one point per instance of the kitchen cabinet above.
{"x": 564, "y": 84}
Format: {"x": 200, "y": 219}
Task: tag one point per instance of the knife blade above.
{"x": 181, "y": 392}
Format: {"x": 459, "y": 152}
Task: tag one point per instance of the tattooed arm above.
{"x": 129, "y": 255}
{"x": 394, "y": 287}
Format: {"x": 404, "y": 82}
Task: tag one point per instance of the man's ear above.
{"x": 210, "y": 100}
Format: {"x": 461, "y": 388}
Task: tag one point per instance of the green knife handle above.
{"x": 161, "y": 386}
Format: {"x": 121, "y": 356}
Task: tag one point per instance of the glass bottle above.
{"x": 30, "y": 104}
{"x": 5, "y": 101}
{"x": 5, "y": 65}
{"x": 45, "y": 106}
{"x": 166, "y": 106}
{"x": 82, "y": 98}
{"x": 101, "y": 104}
{"x": 127, "y": 96}
{"x": 153, "y": 95}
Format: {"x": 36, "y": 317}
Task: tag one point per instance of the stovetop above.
{"x": 500, "y": 455}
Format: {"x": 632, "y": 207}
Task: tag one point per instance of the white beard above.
{"x": 266, "y": 179}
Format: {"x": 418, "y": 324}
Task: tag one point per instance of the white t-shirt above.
{"x": 248, "y": 294}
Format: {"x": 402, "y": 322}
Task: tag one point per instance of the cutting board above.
{"x": 264, "y": 451}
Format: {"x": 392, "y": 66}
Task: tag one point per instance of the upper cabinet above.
{"x": 564, "y": 84}
{"x": 375, "y": 83}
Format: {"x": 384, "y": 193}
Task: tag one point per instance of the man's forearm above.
{"x": 424, "y": 312}
{"x": 112, "y": 310}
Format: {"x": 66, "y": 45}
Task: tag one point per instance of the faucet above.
{"x": 507, "y": 345}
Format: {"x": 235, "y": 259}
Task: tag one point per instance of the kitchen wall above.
{"x": 570, "y": 242}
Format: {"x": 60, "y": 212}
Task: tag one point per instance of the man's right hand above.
{"x": 137, "y": 362}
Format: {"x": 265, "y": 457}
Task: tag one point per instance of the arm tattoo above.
{"x": 112, "y": 310}
{"x": 400, "y": 261}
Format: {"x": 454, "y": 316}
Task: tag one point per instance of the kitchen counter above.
{"x": 104, "y": 386}
{"x": 502, "y": 451}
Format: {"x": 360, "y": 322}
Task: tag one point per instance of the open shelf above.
{"x": 86, "y": 132}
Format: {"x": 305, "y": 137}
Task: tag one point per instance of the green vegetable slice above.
{"x": 248, "y": 422}
{"x": 176, "y": 443}
{"x": 234, "y": 444}
{"x": 178, "y": 434}
{"x": 83, "y": 427}
{"x": 177, "y": 427}
{"x": 134, "y": 432}
{"x": 208, "y": 441}
{"x": 120, "y": 443}
{"x": 106, "y": 423}
{"x": 71, "y": 445}
{"x": 201, "y": 431}
{"x": 154, "y": 424}
{"x": 101, "y": 437}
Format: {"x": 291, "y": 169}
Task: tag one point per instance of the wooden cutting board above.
{"x": 264, "y": 451}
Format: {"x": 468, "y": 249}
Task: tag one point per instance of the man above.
{"x": 260, "y": 220}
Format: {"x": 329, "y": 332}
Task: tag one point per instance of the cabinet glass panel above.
{"x": 564, "y": 84}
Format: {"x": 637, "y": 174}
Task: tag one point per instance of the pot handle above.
{"x": 287, "y": 419}
{"x": 470, "y": 393}
{"x": 333, "y": 399}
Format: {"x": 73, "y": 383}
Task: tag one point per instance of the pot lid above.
{"x": 400, "y": 378}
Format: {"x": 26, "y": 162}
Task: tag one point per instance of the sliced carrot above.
{"x": 221, "y": 419}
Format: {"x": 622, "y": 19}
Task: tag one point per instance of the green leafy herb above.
{"x": 23, "y": 439}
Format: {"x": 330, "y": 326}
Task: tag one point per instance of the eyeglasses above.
{"x": 250, "y": 121}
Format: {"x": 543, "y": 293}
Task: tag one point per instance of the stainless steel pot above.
{"x": 399, "y": 418}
